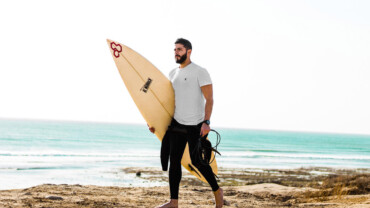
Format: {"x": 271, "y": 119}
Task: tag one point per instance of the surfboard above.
{"x": 152, "y": 93}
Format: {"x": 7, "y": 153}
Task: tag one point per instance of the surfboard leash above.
{"x": 204, "y": 149}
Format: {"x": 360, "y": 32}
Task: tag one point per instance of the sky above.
{"x": 275, "y": 65}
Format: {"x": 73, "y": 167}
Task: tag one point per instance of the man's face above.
{"x": 180, "y": 53}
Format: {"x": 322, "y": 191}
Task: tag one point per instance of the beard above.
{"x": 182, "y": 58}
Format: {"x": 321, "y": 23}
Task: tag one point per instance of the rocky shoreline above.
{"x": 304, "y": 187}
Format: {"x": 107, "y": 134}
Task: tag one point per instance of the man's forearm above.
{"x": 208, "y": 109}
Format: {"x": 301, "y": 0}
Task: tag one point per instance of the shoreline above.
{"x": 297, "y": 177}
{"x": 308, "y": 187}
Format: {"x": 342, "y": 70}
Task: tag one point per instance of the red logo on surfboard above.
{"x": 117, "y": 48}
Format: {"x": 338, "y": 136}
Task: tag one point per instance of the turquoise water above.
{"x": 36, "y": 152}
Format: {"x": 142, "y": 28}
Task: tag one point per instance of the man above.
{"x": 193, "y": 108}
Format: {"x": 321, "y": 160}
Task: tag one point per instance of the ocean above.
{"x": 39, "y": 152}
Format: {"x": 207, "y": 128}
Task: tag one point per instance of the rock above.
{"x": 226, "y": 203}
{"x": 54, "y": 197}
{"x": 138, "y": 174}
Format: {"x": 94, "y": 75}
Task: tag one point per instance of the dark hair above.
{"x": 184, "y": 42}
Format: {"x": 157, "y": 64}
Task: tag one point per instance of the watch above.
{"x": 207, "y": 122}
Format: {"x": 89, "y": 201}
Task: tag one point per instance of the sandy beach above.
{"x": 311, "y": 187}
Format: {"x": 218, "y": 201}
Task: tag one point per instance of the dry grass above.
{"x": 340, "y": 185}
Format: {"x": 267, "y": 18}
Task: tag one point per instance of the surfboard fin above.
{"x": 146, "y": 85}
{"x": 193, "y": 169}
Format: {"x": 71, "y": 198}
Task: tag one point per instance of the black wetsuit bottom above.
{"x": 177, "y": 146}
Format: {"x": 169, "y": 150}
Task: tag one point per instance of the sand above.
{"x": 242, "y": 188}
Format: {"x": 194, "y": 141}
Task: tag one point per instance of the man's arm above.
{"x": 208, "y": 95}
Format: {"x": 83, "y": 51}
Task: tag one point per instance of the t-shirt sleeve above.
{"x": 204, "y": 78}
{"x": 170, "y": 75}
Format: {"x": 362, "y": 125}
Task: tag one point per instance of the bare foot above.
{"x": 172, "y": 204}
{"x": 219, "y": 198}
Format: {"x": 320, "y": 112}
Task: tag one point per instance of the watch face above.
{"x": 207, "y": 122}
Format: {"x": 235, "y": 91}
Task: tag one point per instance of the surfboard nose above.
{"x": 115, "y": 43}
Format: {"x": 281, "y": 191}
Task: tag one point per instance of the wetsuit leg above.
{"x": 206, "y": 170}
{"x": 177, "y": 146}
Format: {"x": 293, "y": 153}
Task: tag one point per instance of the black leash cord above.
{"x": 201, "y": 150}
{"x": 218, "y": 141}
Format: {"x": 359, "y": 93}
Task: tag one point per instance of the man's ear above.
{"x": 189, "y": 52}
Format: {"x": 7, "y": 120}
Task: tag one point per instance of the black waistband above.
{"x": 177, "y": 127}
{"x": 176, "y": 123}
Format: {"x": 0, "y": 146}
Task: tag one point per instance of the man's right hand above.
{"x": 151, "y": 129}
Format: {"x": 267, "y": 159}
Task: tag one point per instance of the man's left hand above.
{"x": 204, "y": 130}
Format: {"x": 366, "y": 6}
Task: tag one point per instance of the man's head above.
{"x": 182, "y": 50}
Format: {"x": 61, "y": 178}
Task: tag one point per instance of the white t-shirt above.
{"x": 189, "y": 99}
